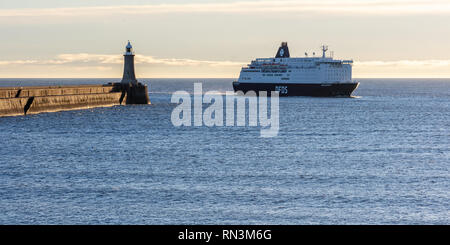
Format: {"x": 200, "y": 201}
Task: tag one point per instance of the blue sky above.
{"x": 85, "y": 38}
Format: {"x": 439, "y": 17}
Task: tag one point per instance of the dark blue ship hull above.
{"x": 300, "y": 89}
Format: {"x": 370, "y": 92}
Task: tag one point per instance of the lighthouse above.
{"x": 128, "y": 68}
{"x": 133, "y": 92}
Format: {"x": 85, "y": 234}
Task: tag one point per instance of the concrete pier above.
{"x": 16, "y": 101}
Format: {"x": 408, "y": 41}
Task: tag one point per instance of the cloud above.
{"x": 374, "y": 7}
{"x": 403, "y": 68}
{"x": 104, "y": 59}
{"x": 184, "y": 62}
{"x": 143, "y": 59}
{"x": 87, "y": 58}
{"x": 66, "y": 64}
{"x": 17, "y": 62}
{"x": 404, "y": 63}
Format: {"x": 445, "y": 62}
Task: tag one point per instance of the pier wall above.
{"x": 16, "y": 101}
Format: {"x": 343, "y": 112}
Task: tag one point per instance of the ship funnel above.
{"x": 283, "y": 51}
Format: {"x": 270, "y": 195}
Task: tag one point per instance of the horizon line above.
{"x": 117, "y": 78}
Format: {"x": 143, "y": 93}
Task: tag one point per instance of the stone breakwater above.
{"x": 15, "y": 101}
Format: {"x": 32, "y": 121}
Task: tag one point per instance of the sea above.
{"x": 380, "y": 157}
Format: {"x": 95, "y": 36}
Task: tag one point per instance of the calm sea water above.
{"x": 380, "y": 158}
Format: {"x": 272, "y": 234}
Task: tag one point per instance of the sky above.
{"x": 215, "y": 38}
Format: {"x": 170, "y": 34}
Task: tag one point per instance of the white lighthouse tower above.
{"x": 128, "y": 68}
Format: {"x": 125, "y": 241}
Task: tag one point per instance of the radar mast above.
{"x": 324, "y": 50}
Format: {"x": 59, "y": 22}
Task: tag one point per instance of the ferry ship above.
{"x": 308, "y": 76}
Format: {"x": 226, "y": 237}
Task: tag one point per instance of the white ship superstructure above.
{"x": 292, "y": 73}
